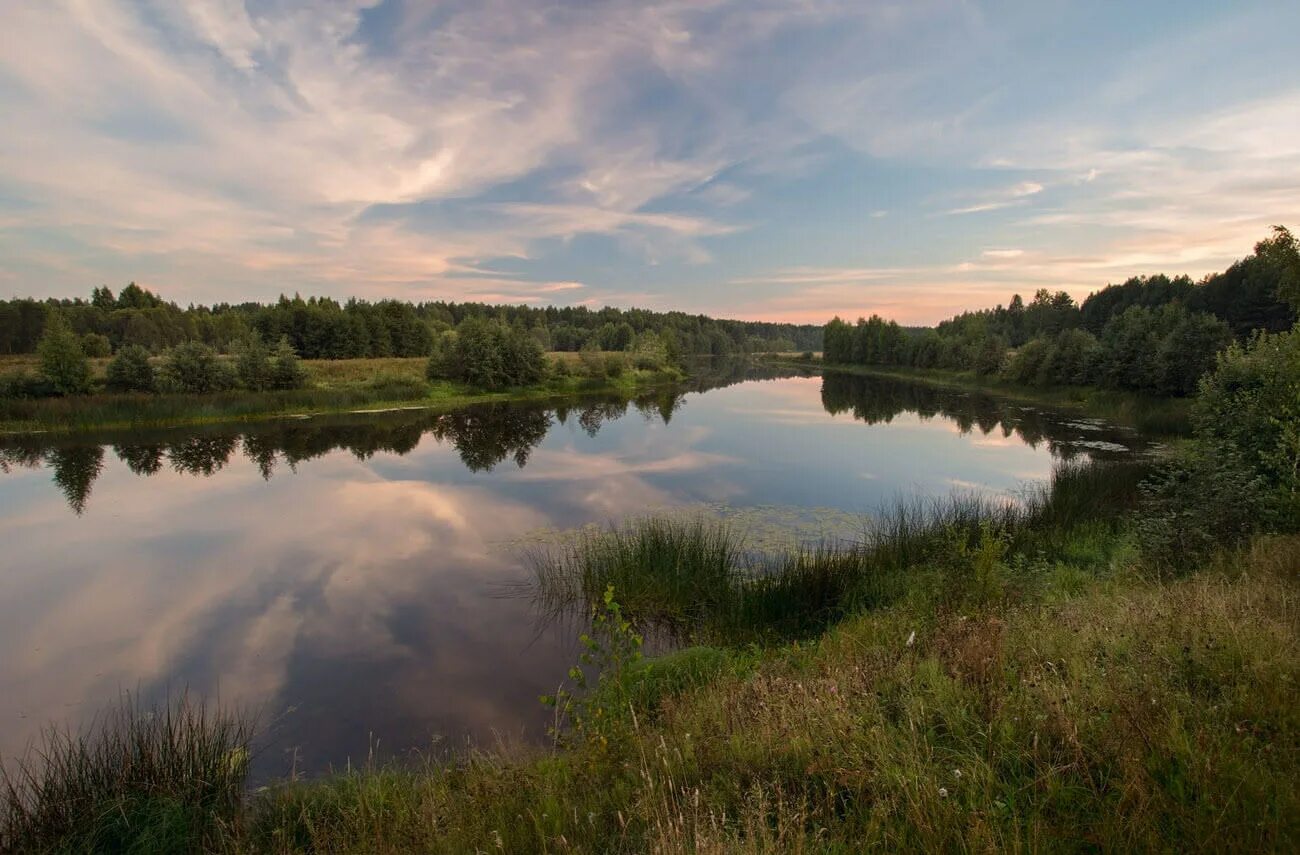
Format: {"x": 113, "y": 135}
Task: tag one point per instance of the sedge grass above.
{"x": 140, "y": 779}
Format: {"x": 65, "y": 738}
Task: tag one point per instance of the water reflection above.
{"x": 485, "y": 436}
{"x": 877, "y": 400}
{"x": 350, "y": 568}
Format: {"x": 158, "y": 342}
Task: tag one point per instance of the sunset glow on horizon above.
{"x": 783, "y": 160}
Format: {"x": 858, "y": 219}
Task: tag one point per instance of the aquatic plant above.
{"x": 166, "y": 778}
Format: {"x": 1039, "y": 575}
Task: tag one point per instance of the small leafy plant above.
{"x": 601, "y": 714}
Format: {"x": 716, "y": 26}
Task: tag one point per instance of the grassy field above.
{"x": 1025, "y": 684}
{"x": 1159, "y": 416}
{"x": 332, "y": 386}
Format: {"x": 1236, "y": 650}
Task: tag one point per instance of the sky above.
{"x": 761, "y": 159}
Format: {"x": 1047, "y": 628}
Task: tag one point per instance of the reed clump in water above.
{"x": 168, "y": 778}
{"x": 696, "y": 577}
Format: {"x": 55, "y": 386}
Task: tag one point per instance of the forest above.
{"x": 1151, "y": 334}
{"x": 324, "y": 328}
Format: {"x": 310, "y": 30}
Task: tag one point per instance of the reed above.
{"x": 168, "y": 778}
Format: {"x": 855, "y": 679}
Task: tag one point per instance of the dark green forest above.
{"x": 1151, "y": 334}
{"x": 324, "y": 328}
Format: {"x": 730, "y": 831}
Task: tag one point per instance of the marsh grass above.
{"x": 698, "y": 578}
{"x": 1108, "y": 712}
{"x": 1115, "y": 715}
{"x": 168, "y": 778}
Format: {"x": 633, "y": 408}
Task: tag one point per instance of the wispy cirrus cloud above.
{"x": 232, "y": 149}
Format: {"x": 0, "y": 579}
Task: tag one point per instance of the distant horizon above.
{"x": 780, "y": 160}
{"x": 849, "y": 316}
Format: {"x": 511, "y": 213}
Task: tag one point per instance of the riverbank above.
{"x": 972, "y": 674}
{"x": 1159, "y": 416}
{"x": 334, "y": 386}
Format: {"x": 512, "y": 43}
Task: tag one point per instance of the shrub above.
{"x": 1071, "y": 360}
{"x": 63, "y": 362}
{"x": 990, "y": 354}
{"x": 1249, "y": 408}
{"x": 253, "y": 364}
{"x": 130, "y": 370}
{"x": 615, "y": 364}
{"x": 96, "y": 346}
{"x": 397, "y": 387}
{"x": 1197, "y": 503}
{"x": 194, "y": 368}
{"x": 649, "y": 354}
{"x": 490, "y": 355}
{"x": 593, "y": 364}
{"x": 23, "y": 384}
{"x": 286, "y": 369}
{"x": 1024, "y": 365}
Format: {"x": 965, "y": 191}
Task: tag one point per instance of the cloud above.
{"x": 1016, "y": 194}
{"x": 217, "y": 149}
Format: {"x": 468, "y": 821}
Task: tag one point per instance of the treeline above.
{"x": 323, "y": 328}
{"x": 1152, "y": 334}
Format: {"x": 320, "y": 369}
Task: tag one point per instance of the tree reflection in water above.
{"x": 487, "y": 435}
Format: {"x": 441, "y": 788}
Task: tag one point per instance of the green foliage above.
{"x": 253, "y": 364}
{"x": 194, "y": 368}
{"x": 615, "y": 365}
{"x": 63, "y": 362}
{"x": 25, "y": 386}
{"x": 1242, "y": 475}
{"x": 1197, "y": 503}
{"x": 649, "y": 353}
{"x": 1249, "y": 409}
{"x": 96, "y": 345}
{"x": 591, "y": 360}
{"x": 490, "y": 355}
{"x": 990, "y": 356}
{"x": 140, "y": 780}
{"x": 1282, "y": 251}
{"x": 1154, "y": 335}
{"x": 560, "y": 369}
{"x": 131, "y": 371}
{"x": 601, "y": 717}
{"x": 286, "y": 369}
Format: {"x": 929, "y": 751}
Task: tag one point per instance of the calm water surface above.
{"x": 349, "y": 576}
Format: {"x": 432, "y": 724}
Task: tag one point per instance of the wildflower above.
{"x": 911, "y": 639}
{"x": 943, "y": 792}
{"x": 956, "y": 773}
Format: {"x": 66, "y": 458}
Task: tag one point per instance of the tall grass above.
{"x": 1118, "y": 714}
{"x": 697, "y": 578}
{"x": 1131, "y": 716}
{"x": 162, "y": 779}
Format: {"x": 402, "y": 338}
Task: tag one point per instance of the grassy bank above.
{"x": 969, "y": 676}
{"x": 1157, "y": 416}
{"x": 333, "y": 386}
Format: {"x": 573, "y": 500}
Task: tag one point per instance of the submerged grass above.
{"x": 140, "y": 779}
